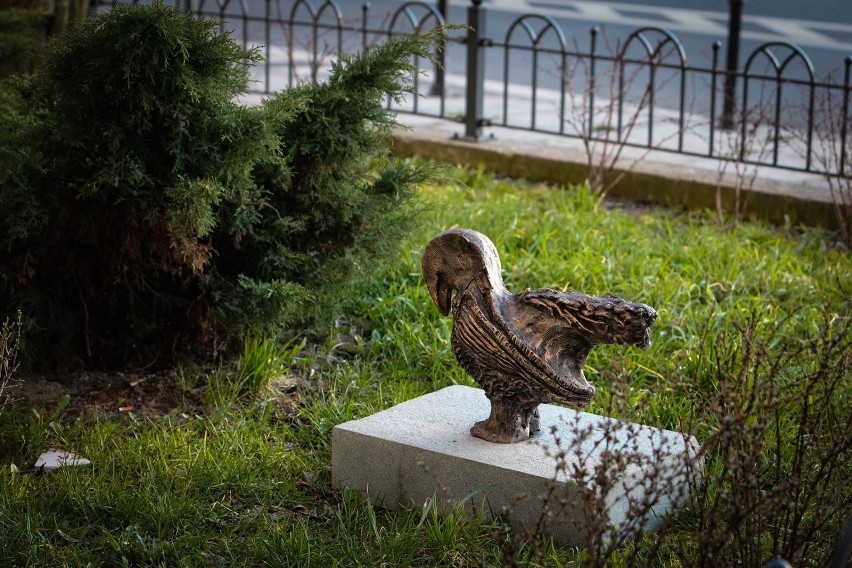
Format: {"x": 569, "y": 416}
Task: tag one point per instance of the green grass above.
{"x": 261, "y": 361}
{"x": 246, "y": 481}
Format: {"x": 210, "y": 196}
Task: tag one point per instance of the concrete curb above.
{"x": 777, "y": 196}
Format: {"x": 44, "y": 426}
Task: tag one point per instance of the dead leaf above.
{"x": 66, "y": 537}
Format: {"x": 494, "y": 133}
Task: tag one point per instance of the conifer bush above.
{"x": 145, "y": 211}
{"x": 20, "y": 38}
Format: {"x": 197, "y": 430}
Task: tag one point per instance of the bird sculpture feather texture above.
{"x": 523, "y": 349}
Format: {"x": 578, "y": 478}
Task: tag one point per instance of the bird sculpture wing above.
{"x": 508, "y": 345}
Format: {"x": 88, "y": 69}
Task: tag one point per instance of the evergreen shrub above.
{"x": 145, "y": 211}
{"x": 21, "y": 37}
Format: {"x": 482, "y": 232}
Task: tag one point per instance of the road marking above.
{"x": 805, "y": 33}
{"x": 687, "y": 20}
{"x": 596, "y": 11}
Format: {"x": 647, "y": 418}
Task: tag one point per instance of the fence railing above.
{"x": 636, "y": 91}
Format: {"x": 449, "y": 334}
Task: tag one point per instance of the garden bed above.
{"x": 203, "y": 470}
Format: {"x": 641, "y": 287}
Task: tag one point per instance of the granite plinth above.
{"x": 423, "y": 449}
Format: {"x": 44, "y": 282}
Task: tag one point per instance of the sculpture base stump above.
{"x": 423, "y": 449}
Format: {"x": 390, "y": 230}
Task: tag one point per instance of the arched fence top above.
{"x": 222, "y": 6}
{"x": 527, "y": 23}
{"x": 317, "y": 13}
{"x": 407, "y": 10}
{"x": 687, "y": 99}
{"x": 651, "y": 51}
{"x": 780, "y": 64}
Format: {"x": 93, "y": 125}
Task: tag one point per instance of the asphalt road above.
{"x": 821, "y": 28}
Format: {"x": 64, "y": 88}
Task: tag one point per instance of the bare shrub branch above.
{"x": 10, "y": 340}
{"x": 769, "y": 480}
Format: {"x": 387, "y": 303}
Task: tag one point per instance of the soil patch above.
{"x": 97, "y": 394}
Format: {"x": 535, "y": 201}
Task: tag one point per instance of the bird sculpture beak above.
{"x": 441, "y": 292}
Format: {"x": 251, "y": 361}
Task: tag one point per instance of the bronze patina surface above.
{"x": 523, "y": 349}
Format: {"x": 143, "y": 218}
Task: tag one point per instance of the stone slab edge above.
{"x": 422, "y": 449}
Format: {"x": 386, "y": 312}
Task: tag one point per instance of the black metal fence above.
{"x": 636, "y": 91}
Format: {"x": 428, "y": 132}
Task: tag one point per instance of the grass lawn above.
{"x": 751, "y": 353}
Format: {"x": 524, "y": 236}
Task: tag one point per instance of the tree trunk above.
{"x": 25, "y": 25}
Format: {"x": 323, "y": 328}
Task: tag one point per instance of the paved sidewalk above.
{"x": 775, "y": 195}
{"x": 810, "y": 187}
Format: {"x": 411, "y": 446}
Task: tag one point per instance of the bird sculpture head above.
{"x": 523, "y": 349}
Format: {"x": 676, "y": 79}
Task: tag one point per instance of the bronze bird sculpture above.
{"x": 523, "y": 349}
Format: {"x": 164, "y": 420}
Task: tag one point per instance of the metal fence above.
{"x": 639, "y": 90}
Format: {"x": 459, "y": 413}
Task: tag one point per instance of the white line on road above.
{"x": 805, "y": 33}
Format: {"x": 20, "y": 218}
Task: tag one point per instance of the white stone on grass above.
{"x": 52, "y": 459}
{"x": 422, "y": 448}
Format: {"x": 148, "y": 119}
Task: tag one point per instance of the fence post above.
{"x": 735, "y": 19}
{"x": 438, "y": 85}
{"x": 475, "y": 71}
{"x": 841, "y": 171}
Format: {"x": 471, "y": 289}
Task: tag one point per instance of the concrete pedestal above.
{"x": 423, "y": 448}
